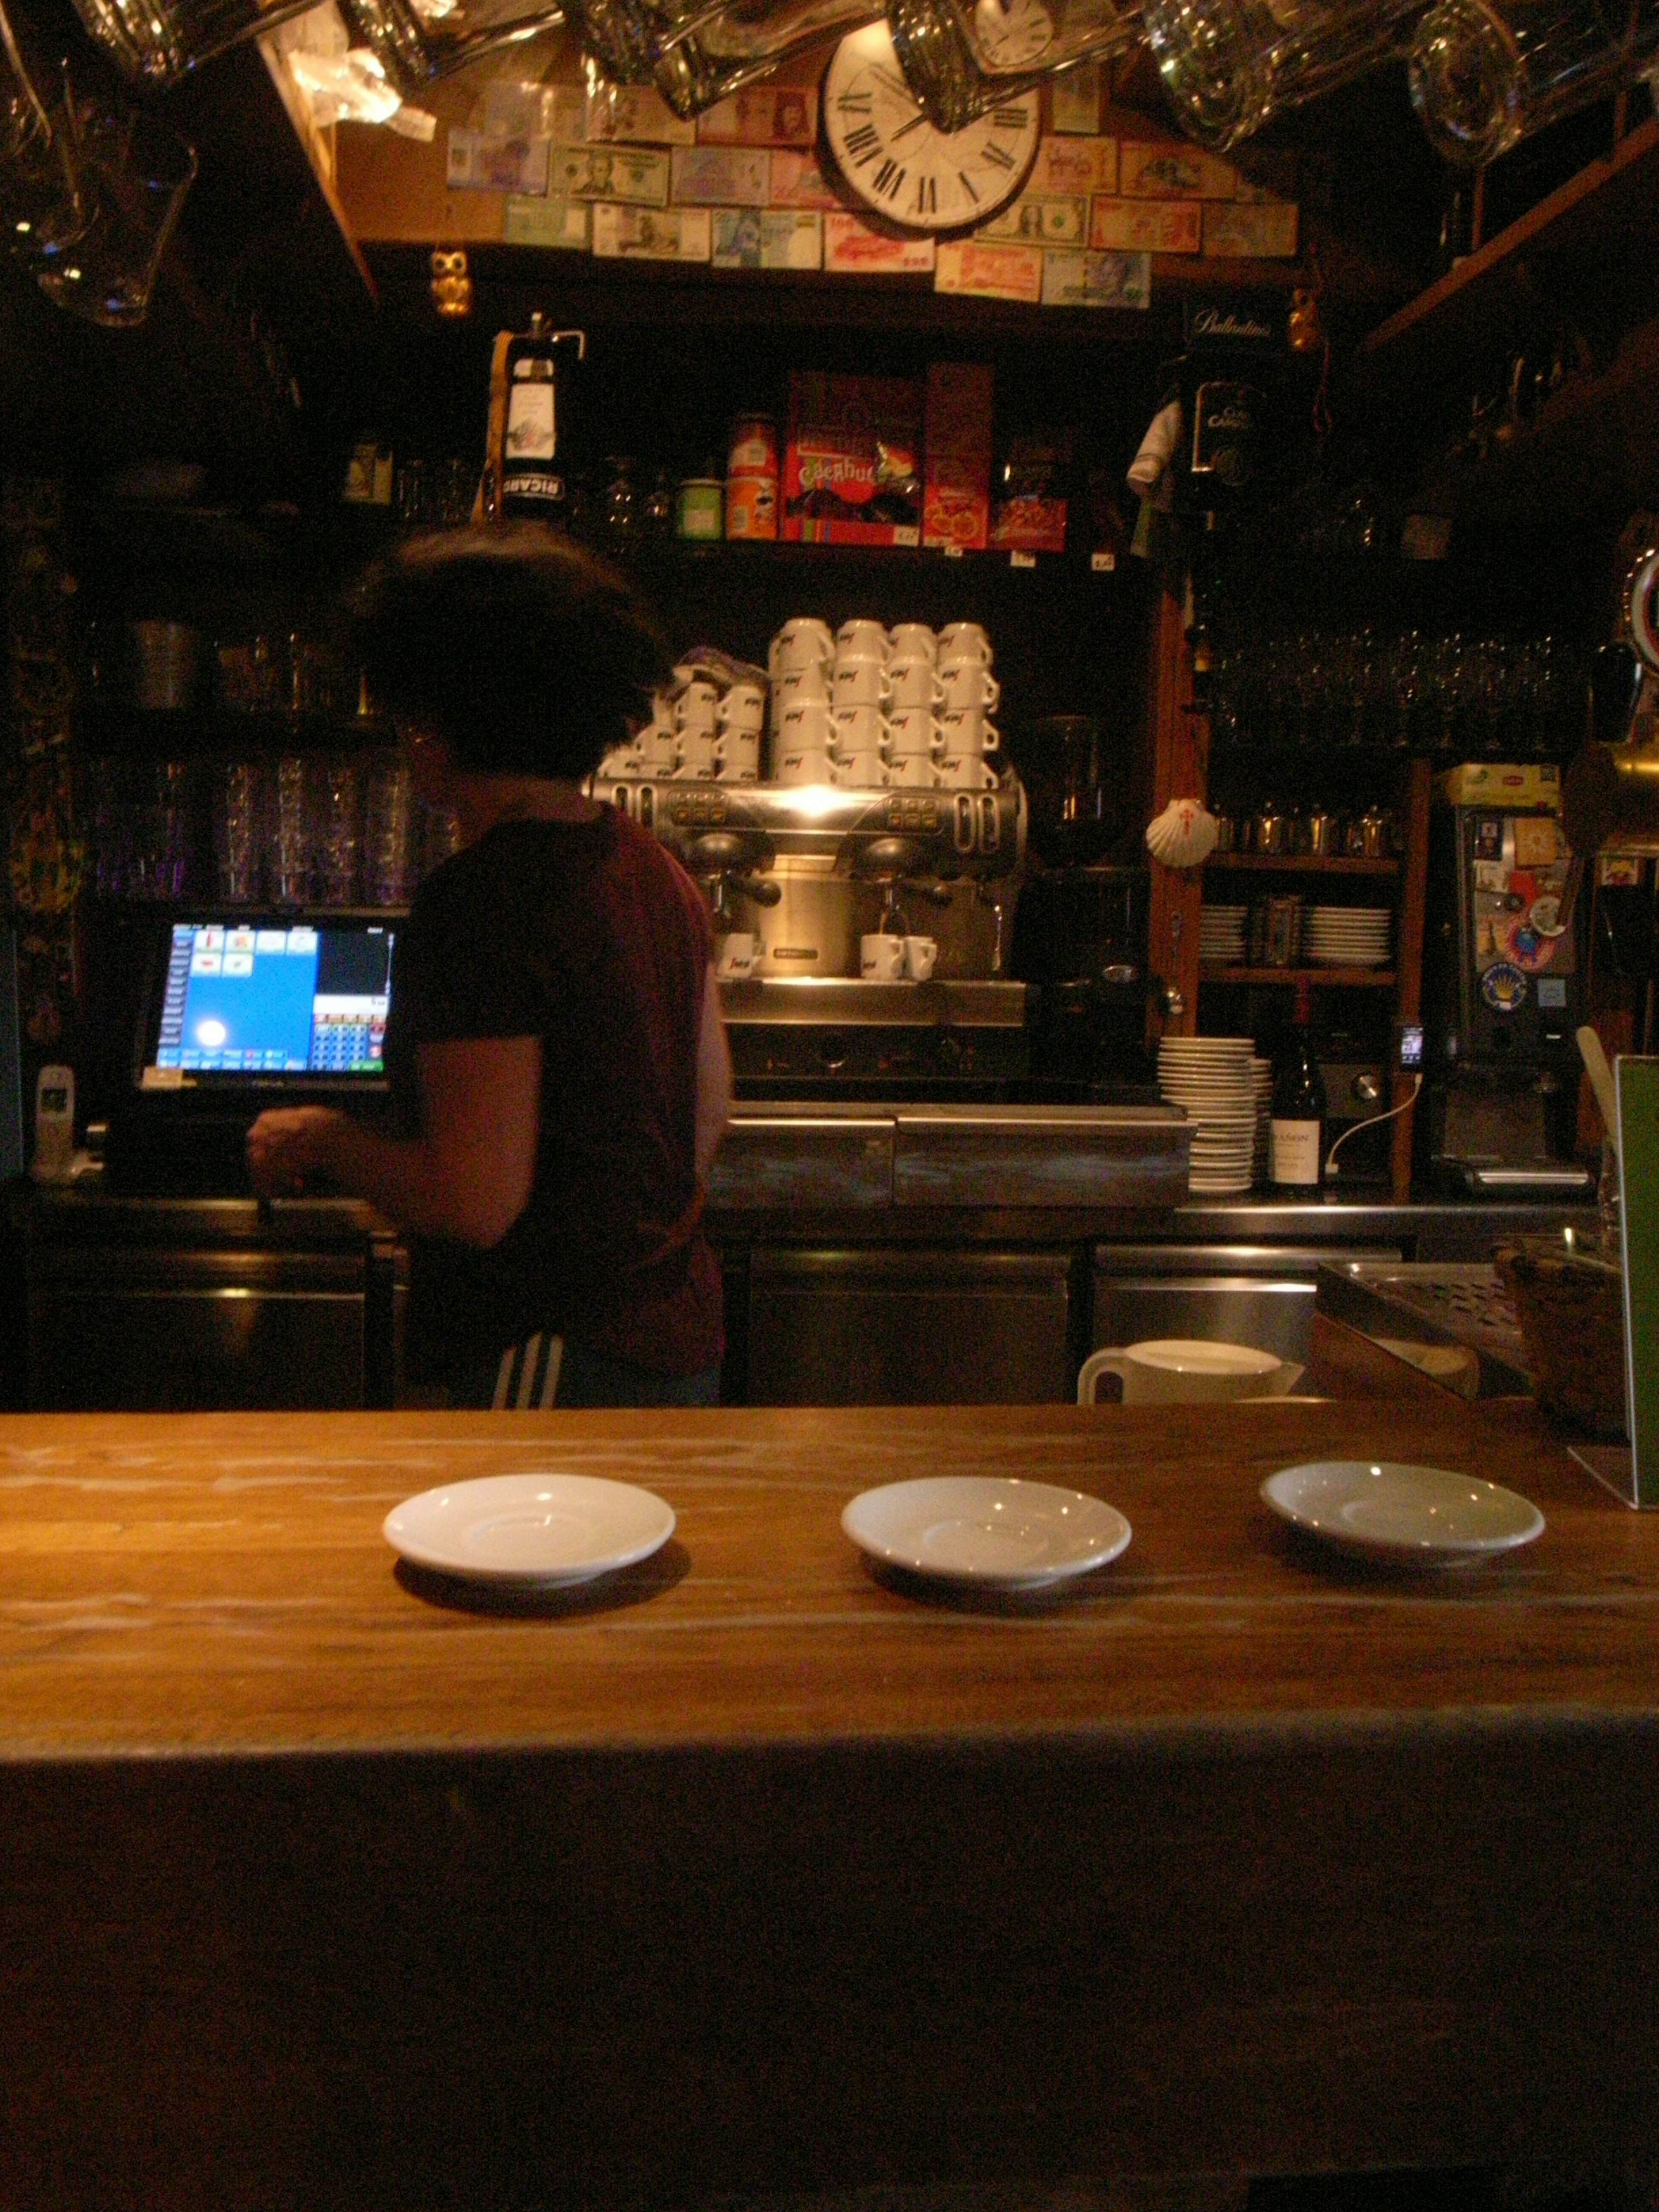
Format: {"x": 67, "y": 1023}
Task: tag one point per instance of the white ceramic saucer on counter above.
{"x": 539, "y": 1531}
{"x": 1001, "y": 1534}
{"x": 1382, "y": 1511}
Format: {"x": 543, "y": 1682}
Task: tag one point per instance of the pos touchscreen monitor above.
{"x": 240, "y": 1014}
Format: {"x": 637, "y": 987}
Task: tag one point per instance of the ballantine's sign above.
{"x": 1212, "y": 323}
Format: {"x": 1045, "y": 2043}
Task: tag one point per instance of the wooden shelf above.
{"x": 1605, "y": 207}
{"x": 1304, "y": 864}
{"x": 1348, "y": 979}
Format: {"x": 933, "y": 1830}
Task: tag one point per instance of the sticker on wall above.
{"x": 1504, "y": 987}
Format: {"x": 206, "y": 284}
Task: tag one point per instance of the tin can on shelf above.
{"x": 699, "y": 508}
{"x": 751, "y": 478}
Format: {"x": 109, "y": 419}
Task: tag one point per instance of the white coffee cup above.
{"x": 698, "y": 708}
{"x": 1185, "y": 1370}
{"x": 913, "y": 683}
{"x": 740, "y": 762}
{"x": 968, "y": 684}
{"x": 963, "y": 641}
{"x": 799, "y": 644}
{"x": 804, "y": 764}
{"x": 966, "y": 730}
{"x": 966, "y": 772}
{"x": 701, "y": 755}
{"x": 735, "y": 956}
{"x": 743, "y": 707}
{"x": 860, "y": 684}
{"x": 809, "y": 681}
{"x": 806, "y": 722}
{"x": 861, "y": 640}
{"x": 861, "y": 771}
{"x": 911, "y": 641}
{"x": 857, "y": 730}
{"x": 913, "y": 771}
{"x": 919, "y": 954}
{"x": 881, "y": 959}
{"x": 914, "y": 730}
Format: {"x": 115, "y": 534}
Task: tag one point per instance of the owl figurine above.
{"x": 451, "y": 287}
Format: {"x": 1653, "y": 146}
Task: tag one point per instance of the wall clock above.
{"x": 894, "y": 161}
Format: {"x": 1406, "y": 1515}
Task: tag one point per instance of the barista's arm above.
{"x": 468, "y": 1176}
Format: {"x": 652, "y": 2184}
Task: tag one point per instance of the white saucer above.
{"x": 533, "y": 1531}
{"x": 1380, "y": 1510}
{"x": 981, "y": 1528}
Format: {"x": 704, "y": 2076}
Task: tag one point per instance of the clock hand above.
{"x": 895, "y": 83}
{"x": 904, "y": 128}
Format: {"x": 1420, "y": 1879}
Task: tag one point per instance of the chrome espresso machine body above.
{"x": 807, "y": 870}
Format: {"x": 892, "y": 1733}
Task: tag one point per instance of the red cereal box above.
{"x": 956, "y": 507}
{"x": 852, "y": 466}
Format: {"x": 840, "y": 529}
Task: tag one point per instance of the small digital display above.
{"x": 272, "y": 999}
{"x": 1410, "y": 1046}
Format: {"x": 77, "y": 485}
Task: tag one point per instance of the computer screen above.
{"x": 272, "y": 999}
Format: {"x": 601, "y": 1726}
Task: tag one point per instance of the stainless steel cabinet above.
{"x": 898, "y": 1327}
{"x": 1256, "y": 1294}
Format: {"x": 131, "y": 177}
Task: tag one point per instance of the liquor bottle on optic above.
{"x": 1297, "y": 1133}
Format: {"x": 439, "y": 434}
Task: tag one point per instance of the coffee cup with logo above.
{"x": 743, "y": 707}
{"x": 799, "y": 644}
{"x": 857, "y": 730}
{"x": 860, "y": 684}
{"x": 658, "y": 744}
{"x": 968, "y": 684}
{"x": 919, "y": 955}
{"x": 806, "y": 722}
{"x": 912, "y": 641}
{"x": 740, "y": 759}
{"x": 701, "y": 755}
{"x": 963, "y": 641}
{"x": 966, "y": 730}
{"x": 735, "y": 956}
{"x": 913, "y": 771}
{"x": 914, "y": 730}
{"x": 913, "y": 683}
{"x": 861, "y": 640}
{"x": 966, "y": 772}
{"x": 881, "y": 958}
{"x": 1186, "y": 1371}
{"x": 698, "y": 708}
{"x": 809, "y": 681}
{"x": 804, "y": 764}
{"x": 861, "y": 771}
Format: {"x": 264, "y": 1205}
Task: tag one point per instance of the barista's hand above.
{"x": 289, "y": 1143}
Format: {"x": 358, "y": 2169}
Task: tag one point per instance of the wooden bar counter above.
{"x": 749, "y": 1874}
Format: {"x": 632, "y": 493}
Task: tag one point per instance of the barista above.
{"x": 557, "y": 1060}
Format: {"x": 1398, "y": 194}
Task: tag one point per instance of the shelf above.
{"x": 1608, "y": 203}
{"x": 1305, "y": 864}
{"x": 1348, "y": 979}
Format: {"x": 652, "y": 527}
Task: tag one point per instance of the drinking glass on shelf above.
{"x": 389, "y": 824}
{"x": 1484, "y": 74}
{"x": 238, "y": 795}
{"x": 161, "y": 830}
{"x": 1228, "y": 65}
{"x": 290, "y": 839}
{"x": 338, "y": 836}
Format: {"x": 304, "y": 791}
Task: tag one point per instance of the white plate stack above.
{"x": 1348, "y": 936}
{"x": 1213, "y": 1078}
{"x": 1261, "y": 1079}
{"x": 1221, "y": 935}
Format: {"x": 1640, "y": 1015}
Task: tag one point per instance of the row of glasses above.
{"x": 1466, "y": 696}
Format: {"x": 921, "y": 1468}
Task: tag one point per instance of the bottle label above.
{"x": 1293, "y": 1152}
{"x": 530, "y": 424}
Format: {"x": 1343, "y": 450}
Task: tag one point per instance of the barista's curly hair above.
{"x": 524, "y": 654}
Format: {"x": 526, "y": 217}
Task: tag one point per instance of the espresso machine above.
{"x": 1501, "y": 988}
{"x": 808, "y": 870}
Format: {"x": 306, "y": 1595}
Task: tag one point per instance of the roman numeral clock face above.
{"x": 891, "y": 157}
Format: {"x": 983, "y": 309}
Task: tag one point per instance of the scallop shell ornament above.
{"x": 1183, "y": 835}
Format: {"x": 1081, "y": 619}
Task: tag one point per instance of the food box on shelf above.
{"x": 852, "y": 470}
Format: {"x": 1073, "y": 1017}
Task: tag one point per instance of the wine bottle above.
{"x": 1297, "y": 1133}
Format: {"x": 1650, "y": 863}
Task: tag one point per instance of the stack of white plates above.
{"x": 1348, "y": 936}
{"x": 1261, "y": 1079}
{"x": 1221, "y": 935}
{"x": 1213, "y": 1080}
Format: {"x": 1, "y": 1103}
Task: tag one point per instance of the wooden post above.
{"x": 1180, "y": 762}
{"x": 1408, "y": 956}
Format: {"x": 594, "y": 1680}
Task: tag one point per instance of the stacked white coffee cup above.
{"x": 870, "y": 707}
{"x": 702, "y": 730}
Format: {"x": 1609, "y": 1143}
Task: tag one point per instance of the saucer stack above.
{"x": 1348, "y": 936}
{"x": 1213, "y": 1080}
{"x": 1261, "y": 1079}
{"x": 1221, "y": 935}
